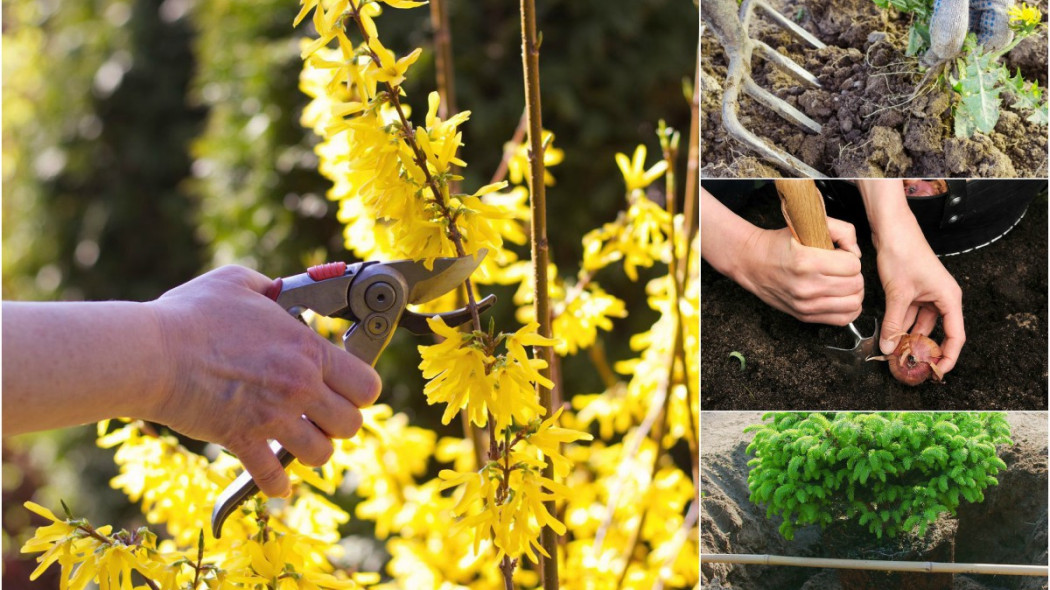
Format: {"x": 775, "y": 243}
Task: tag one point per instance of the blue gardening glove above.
{"x": 952, "y": 19}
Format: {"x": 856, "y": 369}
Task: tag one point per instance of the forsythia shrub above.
{"x": 894, "y": 472}
{"x": 627, "y": 510}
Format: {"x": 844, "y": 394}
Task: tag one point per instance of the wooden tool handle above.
{"x": 804, "y": 212}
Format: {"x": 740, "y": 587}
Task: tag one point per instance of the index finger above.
{"x": 836, "y": 263}
{"x": 350, "y": 376}
{"x": 954, "y": 338}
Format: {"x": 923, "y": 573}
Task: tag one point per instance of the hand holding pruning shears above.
{"x": 374, "y": 296}
{"x": 215, "y": 359}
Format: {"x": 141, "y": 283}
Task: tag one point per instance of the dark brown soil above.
{"x": 1003, "y": 365}
{"x": 873, "y": 125}
{"x": 1010, "y": 526}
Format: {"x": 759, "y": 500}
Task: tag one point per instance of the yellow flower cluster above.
{"x": 638, "y": 236}
{"x": 274, "y": 546}
{"x": 504, "y": 500}
{"x": 464, "y": 375}
{"x": 86, "y": 554}
{"x": 391, "y": 179}
{"x": 394, "y": 185}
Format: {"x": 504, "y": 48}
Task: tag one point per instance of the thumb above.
{"x": 892, "y": 324}
{"x": 844, "y": 235}
{"x": 242, "y": 276}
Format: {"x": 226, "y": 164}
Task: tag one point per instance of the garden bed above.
{"x": 1010, "y": 526}
{"x": 872, "y": 124}
{"x": 1003, "y": 365}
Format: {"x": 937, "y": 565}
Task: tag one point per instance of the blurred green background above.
{"x": 146, "y": 141}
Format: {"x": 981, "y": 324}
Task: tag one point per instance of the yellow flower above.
{"x": 477, "y": 498}
{"x": 54, "y": 540}
{"x": 389, "y": 69}
{"x": 638, "y": 237}
{"x": 1025, "y": 15}
{"x": 518, "y": 163}
{"x": 634, "y": 172}
{"x": 577, "y": 321}
{"x": 457, "y": 374}
{"x": 548, "y": 438}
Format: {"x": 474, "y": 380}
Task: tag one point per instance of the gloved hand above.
{"x": 952, "y": 19}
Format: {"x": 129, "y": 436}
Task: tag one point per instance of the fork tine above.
{"x": 789, "y": 24}
{"x": 777, "y": 105}
{"x": 797, "y": 72}
{"x": 778, "y": 156}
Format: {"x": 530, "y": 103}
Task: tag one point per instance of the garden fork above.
{"x": 803, "y": 209}
{"x": 732, "y": 31}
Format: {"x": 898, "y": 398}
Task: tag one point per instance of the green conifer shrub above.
{"x": 894, "y": 472}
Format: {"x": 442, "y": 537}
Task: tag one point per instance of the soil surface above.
{"x": 1003, "y": 365}
{"x": 874, "y": 123}
{"x": 1010, "y": 526}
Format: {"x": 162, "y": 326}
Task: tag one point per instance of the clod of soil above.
{"x": 1010, "y": 526}
{"x": 874, "y": 123}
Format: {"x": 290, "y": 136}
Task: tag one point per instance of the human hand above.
{"x": 810, "y": 284}
{"x": 952, "y": 19}
{"x": 244, "y": 371}
{"x": 919, "y": 290}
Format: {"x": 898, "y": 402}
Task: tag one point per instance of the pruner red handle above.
{"x": 275, "y": 288}
{"x": 319, "y": 272}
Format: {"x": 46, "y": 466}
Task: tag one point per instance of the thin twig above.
{"x": 690, "y": 211}
{"x": 443, "y": 63}
{"x": 691, "y": 516}
{"x": 200, "y": 560}
{"x": 690, "y": 199}
{"x": 601, "y": 363}
{"x": 508, "y": 152}
{"x": 446, "y": 88}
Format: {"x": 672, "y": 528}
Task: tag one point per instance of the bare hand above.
{"x": 918, "y": 291}
{"x": 811, "y": 284}
{"x": 245, "y": 371}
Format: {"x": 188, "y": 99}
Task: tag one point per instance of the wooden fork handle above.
{"x": 803, "y": 209}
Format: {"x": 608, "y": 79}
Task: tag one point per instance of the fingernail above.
{"x": 886, "y": 346}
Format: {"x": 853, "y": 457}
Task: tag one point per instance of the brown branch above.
{"x": 443, "y": 63}
{"x": 530, "y": 57}
{"x": 601, "y": 363}
{"x": 690, "y": 204}
{"x": 508, "y": 152}
{"x": 691, "y": 211}
{"x": 678, "y": 271}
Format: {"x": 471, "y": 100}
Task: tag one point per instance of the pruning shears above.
{"x": 373, "y": 295}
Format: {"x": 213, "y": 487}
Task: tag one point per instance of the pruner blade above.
{"x": 417, "y": 322}
{"x": 445, "y": 274}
